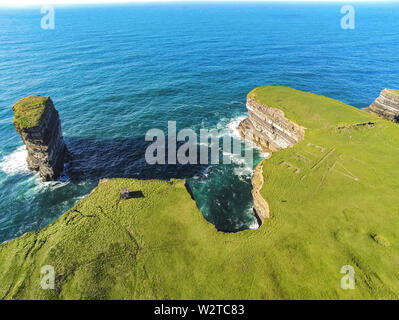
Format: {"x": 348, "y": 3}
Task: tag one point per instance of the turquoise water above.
{"x": 115, "y": 72}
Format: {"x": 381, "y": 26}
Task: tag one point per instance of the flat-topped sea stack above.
{"x": 38, "y": 123}
{"x": 386, "y": 105}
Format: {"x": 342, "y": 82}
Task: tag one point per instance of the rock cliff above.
{"x": 160, "y": 246}
{"x": 37, "y": 122}
{"x": 261, "y": 207}
{"x": 268, "y": 127}
{"x": 386, "y": 105}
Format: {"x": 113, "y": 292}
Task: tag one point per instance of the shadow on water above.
{"x": 224, "y": 197}
{"x": 93, "y": 159}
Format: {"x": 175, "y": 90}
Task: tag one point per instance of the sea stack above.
{"x": 268, "y": 128}
{"x": 386, "y": 105}
{"x": 37, "y": 122}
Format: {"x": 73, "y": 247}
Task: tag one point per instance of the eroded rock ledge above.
{"x": 269, "y": 129}
{"x": 37, "y": 122}
{"x": 261, "y": 207}
{"x": 386, "y": 105}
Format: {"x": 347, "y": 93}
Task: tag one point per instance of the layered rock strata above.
{"x": 269, "y": 129}
{"x": 386, "y": 105}
{"x": 37, "y": 122}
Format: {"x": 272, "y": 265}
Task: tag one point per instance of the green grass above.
{"x": 308, "y": 109}
{"x": 340, "y": 209}
{"x": 345, "y": 191}
{"x": 29, "y": 111}
{"x": 395, "y": 90}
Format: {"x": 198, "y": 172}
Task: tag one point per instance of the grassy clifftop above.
{"x": 29, "y": 111}
{"x": 332, "y": 196}
{"x": 308, "y": 109}
{"x": 106, "y": 247}
{"x": 339, "y": 208}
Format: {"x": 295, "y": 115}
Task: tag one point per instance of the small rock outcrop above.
{"x": 37, "y": 122}
{"x": 386, "y": 105}
{"x": 268, "y": 128}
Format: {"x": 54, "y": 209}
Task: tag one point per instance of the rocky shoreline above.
{"x": 269, "y": 129}
{"x": 124, "y": 248}
{"x": 261, "y": 207}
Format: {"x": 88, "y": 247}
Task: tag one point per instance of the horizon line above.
{"x": 36, "y": 3}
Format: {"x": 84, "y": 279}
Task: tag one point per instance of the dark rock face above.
{"x": 386, "y": 105}
{"x": 45, "y": 143}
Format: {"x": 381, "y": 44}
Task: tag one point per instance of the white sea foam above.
{"x": 243, "y": 171}
{"x": 205, "y": 172}
{"x": 233, "y": 125}
{"x": 15, "y": 162}
{"x": 48, "y": 185}
{"x": 254, "y": 225}
{"x": 230, "y": 125}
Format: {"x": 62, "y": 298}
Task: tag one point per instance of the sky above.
{"x": 42, "y": 2}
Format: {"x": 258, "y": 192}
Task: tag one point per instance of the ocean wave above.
{"x": 229, "y": 126}
{"x": 233, "y": 125}
{"x": 235, "y": 158}
{"x": 243, "y": 171}
{"x": 254, "y": 225}
{"x": 15, "y": 162}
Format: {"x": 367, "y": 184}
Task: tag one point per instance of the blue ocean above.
{"x": 114, "y": 72}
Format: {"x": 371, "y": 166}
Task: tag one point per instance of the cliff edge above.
{"x": 37, "y": 122}
{"x": 333, "y": 202}
{"x": 386, "y": 105}
{"x": 268, "y": 128}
